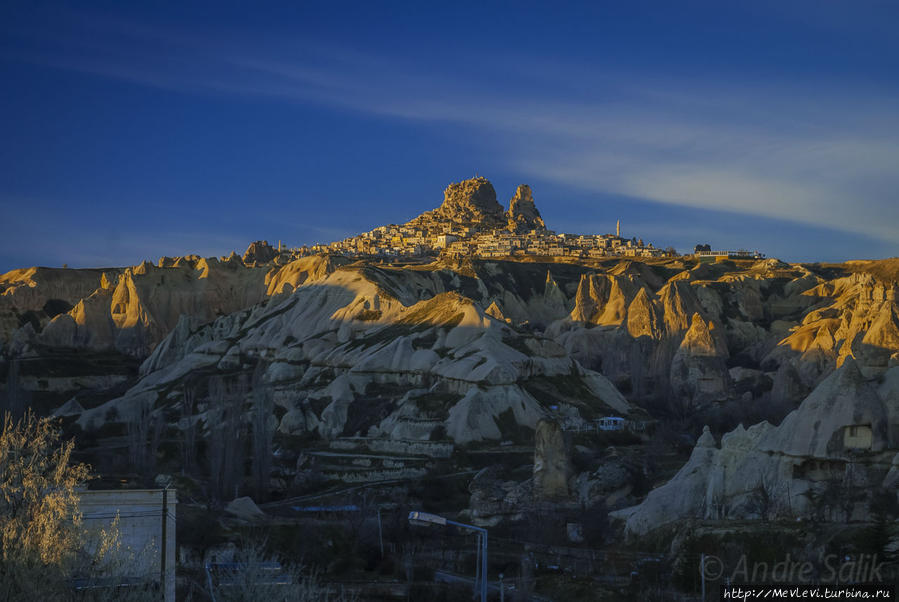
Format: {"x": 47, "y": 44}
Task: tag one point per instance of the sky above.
{"x": 134, "y": 130}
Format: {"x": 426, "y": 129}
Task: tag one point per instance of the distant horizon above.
{"x": 288, "y": 245}
{"x": 135, "y": 131}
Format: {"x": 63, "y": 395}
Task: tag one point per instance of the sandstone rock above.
{"x": 642, "y": 317}
{"x": 41, "y": 294}
{"x": 787, "y": 387}
{"x": 473, "y": 418}
{"x": 471, "y": 202}
{"x": 494, "y": 311}
{"x": 552, "y": 462}
{"x": 699, "y": 368}
{"x": 523, "y": 215}
{"x": 494, "y": 499}
{"x": 817, "y": 428}
{"x": 444, "y": 339}
{"x": 259, "y": 253}
{"x": 889, "y": 393}
{"x": 245, "y": 508}
{"x": 747, "y": 380}
{"x": 766, "y": 471}
{"x": 69, "y": 408}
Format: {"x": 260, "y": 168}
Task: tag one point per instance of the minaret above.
{"x": 618, "y": 229}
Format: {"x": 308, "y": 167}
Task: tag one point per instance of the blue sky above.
{"x": 130, "y": 131}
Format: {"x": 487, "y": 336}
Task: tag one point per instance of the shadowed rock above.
{"x": 552, "y": 462}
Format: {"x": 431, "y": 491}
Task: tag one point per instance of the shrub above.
{"x": 42, "y": 537}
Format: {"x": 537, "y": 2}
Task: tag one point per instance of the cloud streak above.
{"x": 814, "y": 154}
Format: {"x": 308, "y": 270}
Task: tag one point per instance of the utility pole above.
{"x": 425, "y": 518}
{"x": 702, "y": 573}
{"x": 380, "y": 533}
{"x": 164, "y": 547}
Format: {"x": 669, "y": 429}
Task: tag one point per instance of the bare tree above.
{"x": 144, "y": 434}
{"x": 15, "y": 396}
{"x": 189, "y": 431}
{"x": 226, "y": 436}
{"x": 762, "y": 498}
{"x": 263, "y": 433}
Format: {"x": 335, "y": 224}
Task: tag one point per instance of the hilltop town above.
{"x": 471, "y": 223}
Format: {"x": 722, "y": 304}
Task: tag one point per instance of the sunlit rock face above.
{"x": 854, "y": 316}
{"x": 471, "y": 201}
{"x": 259, "y": 253}
{"x": 690, "y": 336}
{"x": 385, "y": 352}
{"x": 465, "y": 348}
{"x": 699, "y": 368}
{"x": 133, "y": 313}
{"x": 37, "y": 295}
{"x": 523, "y": 215}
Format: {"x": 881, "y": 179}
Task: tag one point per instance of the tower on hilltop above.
{"x": 618, "y": 228}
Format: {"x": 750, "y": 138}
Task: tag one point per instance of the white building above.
{"x": 146, "y": 531}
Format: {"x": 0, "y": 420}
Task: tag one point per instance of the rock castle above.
{"x": 472, "y": 223}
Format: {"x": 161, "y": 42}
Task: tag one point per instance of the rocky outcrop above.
{"x": 37, "y": 295}
{"x": 818, "y": 428}
{"x": 699, "y": 369}
{"x": 523, "y": 215}
{"x": 471, "y": 202}
{"x": 854, "y": 316}
{"x": 495, "y": 499}
{"x": 259, "y": 253}
{"x": 784, "y": 320}
{"x": 137, "y": 311}
{"x": 836, "y": 441}
{"x": 359, "y": 337}
{"x": 552, "y": 462}
{"x": 244, "y": 508}
{"x": 144, "y": 304}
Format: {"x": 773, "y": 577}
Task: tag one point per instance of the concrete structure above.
{"x": 146, "y": 530}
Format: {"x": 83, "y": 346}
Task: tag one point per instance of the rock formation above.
{"x": 471, "y": 202}
{"x": 658, "y": 330}
{"x": 389, "y": 370}
{"x": 523, "y": 215}
{"x": 360, "y": 329}
{"x": 37, "y": 295}
{"x": 259, "y": 252}
{"x": 699, "y": 369}
{"x": 835, "y": 446}
{"x": 144, "y": 304}
{"x": 552, "y": 462}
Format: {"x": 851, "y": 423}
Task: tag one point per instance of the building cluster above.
{"x": 423, "y": 238}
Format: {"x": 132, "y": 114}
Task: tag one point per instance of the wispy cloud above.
{"x": 815, "y": 154}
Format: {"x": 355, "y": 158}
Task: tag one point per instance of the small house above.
{"x": 858, "y": 436}
{"x": 611, "y": 423}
